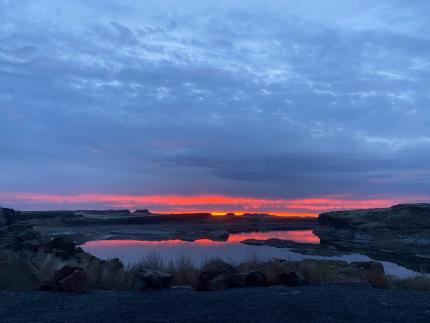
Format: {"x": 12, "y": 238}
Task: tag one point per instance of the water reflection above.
{"x": 132, "y": 251}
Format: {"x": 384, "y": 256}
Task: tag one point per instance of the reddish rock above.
{"x": 67, "y": 279}
{"x": 215, "y": 275}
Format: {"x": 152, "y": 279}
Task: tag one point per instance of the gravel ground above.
{"x": 328, "y": 303}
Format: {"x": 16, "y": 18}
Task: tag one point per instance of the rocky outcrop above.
{"x": 54, "y": 218}
{"x": 330, "y": 271}
{"x": 405, "y": 217}
{"x": 399, "y": 234}
{"x": 218, "y": 275}
{"x": 309, "y": 271}
{"x": 104, "y": 212}
{"x": 29, "y": 261}
{"x": 67, "y": 279}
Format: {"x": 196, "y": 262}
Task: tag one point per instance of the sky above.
{"x": 256, "y": 106}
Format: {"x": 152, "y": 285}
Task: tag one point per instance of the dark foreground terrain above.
{"x": 324, "y": 303}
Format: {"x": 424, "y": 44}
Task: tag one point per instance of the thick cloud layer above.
{"x": 273, "y": 99}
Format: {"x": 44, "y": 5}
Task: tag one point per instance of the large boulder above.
{"x": 290, "y": 278}
{"x": 312, "y": 271}
{"x": 28, "y": 260}
{"x": 150, "y": 279}
{"x": 249, "y": 279}
{"x": 372, "y": 272}
{"x": 67, "y": 279}
{"x": 63, "y": 247}
{"x": 215, "y": 275}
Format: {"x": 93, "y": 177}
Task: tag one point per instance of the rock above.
{"x": 220, "y": 235}
{"x": 150, "y": 279}
{"x": 332, "y": 271}
{"x": 7, "y": 217}
{"x": 215, "y": 275}
{"x": 67, "y": 279}
{"x": 64, "y": 245}
{"x": 373, "y": 272}
{"x": 310, "y": 271}
{"x": 27, "y": 235}
{"x": 397, "y": 234}
{"x": 17, "y": 276}
{"x": 255, "y": 278}
{"x": 248, "y": 279}
{"x": 291, "y": 279}
{"x": 28, "y": 260}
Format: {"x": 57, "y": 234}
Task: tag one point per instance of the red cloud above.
{"x": 180, "y": 203}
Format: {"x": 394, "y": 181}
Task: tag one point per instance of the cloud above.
{"x": 281, "y": 100}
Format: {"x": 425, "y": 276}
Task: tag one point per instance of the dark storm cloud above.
{"x": 280, "y": 99}
{"x": 316, "y": 174}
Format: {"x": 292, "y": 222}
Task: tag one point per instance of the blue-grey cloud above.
{"x": 273, "y": 99}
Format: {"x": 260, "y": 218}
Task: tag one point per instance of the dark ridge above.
{"x": 101, "y": 212}
{"x": 402, "y": 217}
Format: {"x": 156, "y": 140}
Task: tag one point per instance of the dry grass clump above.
{"x": 185, "y": 272}
{"x": 182, "y": 269}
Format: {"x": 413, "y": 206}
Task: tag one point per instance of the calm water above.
{"x": 132, "y": 251}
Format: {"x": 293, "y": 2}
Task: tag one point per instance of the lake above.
{"x": 232, "y": 251}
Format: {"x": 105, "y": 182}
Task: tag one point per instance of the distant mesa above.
{"x": 101, "y": 212}
{"x": 143, "y": 211}
{"x": 412, "y": 217}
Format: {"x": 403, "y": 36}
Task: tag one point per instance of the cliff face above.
{"x": 406, "y": 217}
{"x": 400, "y": 234}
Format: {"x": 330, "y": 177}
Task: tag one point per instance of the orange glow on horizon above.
{"x": 186, "y": 204}
{"x": 225, "y": 213}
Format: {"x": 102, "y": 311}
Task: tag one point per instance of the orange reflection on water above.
{"x": 304, "y": 236}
